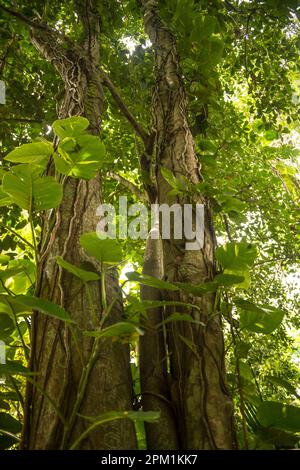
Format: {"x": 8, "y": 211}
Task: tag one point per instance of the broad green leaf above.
{"x": 9, "y": 305}
{"x": 36, "y": 152}
{"x": 279, "y": 415}
{"x": 4, "y": 405}
{"x": 4, "y": 259}
{"x": 168, "y": 176}
{"x": 117, "y": 329}
{"x": 9, "y": 423}
{"x": 84, "y": 160}
{"x": 30, "y": 191}
{"x": 19, "y": 275}
{"x": 7, "y": 326}
{"x": 242, "y": 349}
{"x": 44, "y": 306}
{"x": 150, "y": 281}
{"x": 70, "y": 127}
{"x": 277, "y": 437}
{"x": 82, "y": 274}
{"x": 178, "y": 184}
{"x": 104, "y": 250}
{"x": 5, "y": 199}
{"x": 283, "y": 383}
{"x": 6, "y": 441}
{"x": 228, "y": 279}
{"x": 14, "y": 368}
{"x": 244, "y": 274}
{"x": 259, "y": 318}
{"x": 236, "y": 256}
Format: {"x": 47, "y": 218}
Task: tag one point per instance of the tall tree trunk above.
{"x": 153, "y": 360}
{"x": 199, "y": 393}
{"x": 54, "y": 356}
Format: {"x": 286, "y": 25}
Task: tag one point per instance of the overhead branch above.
{"x": 129, "y": 185}
{"x": 25, "y": 19}
{"x": 142, "y": 133}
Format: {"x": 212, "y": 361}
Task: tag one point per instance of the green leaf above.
{"x": 4, "y": 259}
{"x": 14, "y": 368}
{"x": 5, "y": 200}
{"x": 70, "y": 127}
{"x": 44, "y": 306}
{"x": 169, "y": 177}
{"x": 228, "y": 279}
{"x": 36, "y": 152}
{"x": 30, "y": 191}
{"x": 82, "y": 274}
{"x": 104, "y": 250}
{"x": 7, "y": 326}
{"x": 236, "y": 256}
{"x": 86, "y": 159}
{"x": 9, "y": 305}
{"x": 279, "y": 415}
{"x": 283, "y": 383}
{"x": 6, "y": 441}
{"x": 244, "y": 274}
{"x": 259, "y": 318}
{"x": 9, "y": 424}
{"x": 242, "y": 349}
{"x": 116, "y": 330}
{"x": 150, "y": 281}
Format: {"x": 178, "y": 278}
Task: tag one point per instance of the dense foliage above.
{"x": 241, "y": 69}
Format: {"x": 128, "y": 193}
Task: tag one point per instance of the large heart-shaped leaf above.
{"x": 81, "y": 157}
{"x": 29, "y": 190}
{"x": 70, "y": 127}
{"x": 36, "y": 152}
{"x": 104, "y": 250}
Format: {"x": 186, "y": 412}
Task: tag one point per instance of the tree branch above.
{"x": 129, "y": 185}
{"x": 124, "y": 109}
{"x": 25, "y": 19}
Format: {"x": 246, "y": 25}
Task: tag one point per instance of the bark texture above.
{"x": 198, "y": 389}
{"x": 54, "y": 355}
{"x": 153, "y": 360}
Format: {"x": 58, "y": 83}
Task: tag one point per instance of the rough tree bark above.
{"x": 54, "y": 356}
{"x": 198, "y": 389}
{"x": 153, "y": 359}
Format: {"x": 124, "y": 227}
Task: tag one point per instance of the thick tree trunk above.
{"x": 199, "y": 393}
{"x": 54, "y": 355}
{"x": 153, "y": 360}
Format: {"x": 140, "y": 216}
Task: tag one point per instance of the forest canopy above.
{"x": 133, "y": 340}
